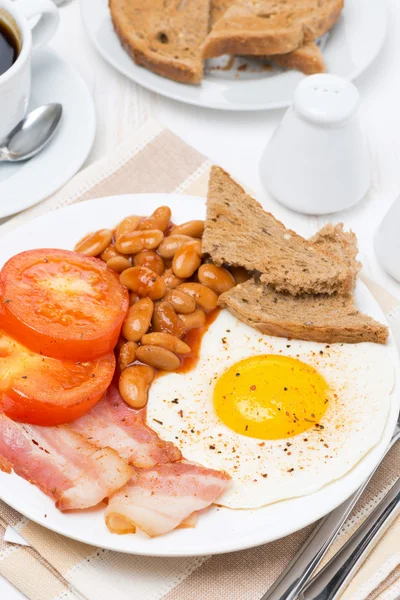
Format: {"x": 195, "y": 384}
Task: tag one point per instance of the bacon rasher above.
{"x": 113, "y": 423}
{"x": 161, "y": 499}
{"x": 62, "y": 463}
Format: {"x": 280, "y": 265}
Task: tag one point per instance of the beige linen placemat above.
{"x": 56, "y": 568}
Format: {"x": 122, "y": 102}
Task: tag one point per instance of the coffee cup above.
{"x": 19, "y": 37}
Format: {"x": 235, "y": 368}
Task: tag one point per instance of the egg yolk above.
{"x": 271, "y": 397}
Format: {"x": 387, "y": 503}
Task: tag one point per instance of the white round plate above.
{"x": 219, "y": 530}
{"x": 24, "y": 184}
{"x": 348, "y": 50}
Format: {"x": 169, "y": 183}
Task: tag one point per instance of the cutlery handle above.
{"x": 330, "y": 582}
{"x": 300, "y": 570}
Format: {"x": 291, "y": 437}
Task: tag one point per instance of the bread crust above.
{"x": 245, "y": 28}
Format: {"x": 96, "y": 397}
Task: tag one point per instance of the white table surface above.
{"x": 236, "y": 140}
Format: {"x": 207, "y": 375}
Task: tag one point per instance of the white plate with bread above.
{"x": 252, "y": 49}
{"x": 320, "y": 319}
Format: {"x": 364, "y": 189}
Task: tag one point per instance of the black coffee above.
{"x": 9, "y": 47}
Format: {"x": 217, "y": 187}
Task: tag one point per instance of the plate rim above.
{"x": 223, "y": 548}
{"x": 175, "y": 95}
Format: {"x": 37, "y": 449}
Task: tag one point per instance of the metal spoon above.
{"x": 32, "y": 134}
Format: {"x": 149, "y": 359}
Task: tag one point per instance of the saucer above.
{"x": 24, "y": 184}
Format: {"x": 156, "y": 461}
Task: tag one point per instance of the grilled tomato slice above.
{"x": 48, "y": 391}
{"x": 62, "y": 304}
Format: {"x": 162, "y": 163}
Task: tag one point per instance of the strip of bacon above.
{"x": 160, "y": 499}
{"x": 113, "y": 423}
{"x": 62, "y": 463}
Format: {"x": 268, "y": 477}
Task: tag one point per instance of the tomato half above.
{"x": 47, "y": 391}
{"x": 62, "y": 304}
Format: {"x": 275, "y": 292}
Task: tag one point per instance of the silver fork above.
{"x": 298, "y": 574}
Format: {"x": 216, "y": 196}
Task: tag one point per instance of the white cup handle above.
{"x": 47, "y": 25}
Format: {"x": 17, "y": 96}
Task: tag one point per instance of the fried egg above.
{"x": 282, "y": 418}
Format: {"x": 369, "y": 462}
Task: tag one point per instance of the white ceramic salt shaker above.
{"x": 387, "y": 241}
{"x": 317, "y": 160}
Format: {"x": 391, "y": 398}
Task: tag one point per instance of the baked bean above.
{"x": 136, "y": 241}
{"x": 110, "y": 252}
{"x": 151, "y": 260}
{"x": 196, "y": 245}
{"x": 166, "y": 320}
{"x": 216, "y": 278}
{"x": 118, "y": 263}
{"x": 205, "y": 298}
{"x": 95, "y": 243}
{"x": 158, "y": 220}
{"x": 193, "y": 228}
{"x": 157, "y": 357}
{"x": 134, "y": 383}
{"x": 144, "y": 282}
{"x": 166, "y": 340}
{"x": 127, "y": 354}
{"x": 194, "y": 320}
{"x": 186, "y": 262}
{"x": 127, "y": 225}
{"x": 181, "y": 302}
{"x": 240, "y": 274}
{"x": 171, "y": 244}
{"x": 138, "y": 320}
{"x": 170, "y": 279}
{"x": 133, "y": 298}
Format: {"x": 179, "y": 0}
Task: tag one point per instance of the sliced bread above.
{"x": 308, "y": 58}
{"x": 165, "y": 36}
{"x": 270, "y": 26}
{"x": 323, "y": 318}
{"x": 240, "y": 233}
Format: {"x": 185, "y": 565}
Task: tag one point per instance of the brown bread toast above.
{"x": 165, "y": 36}
{"x": 239, "y": 232}
{"x": 308, "y": 58}
{"x": 263, "y": 27}
{"x": 320, "y": 318}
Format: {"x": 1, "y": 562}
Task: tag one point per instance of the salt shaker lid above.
{"x": 326, "y": 99}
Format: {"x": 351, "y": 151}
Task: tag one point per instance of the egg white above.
{"x": 181, "y": 410}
